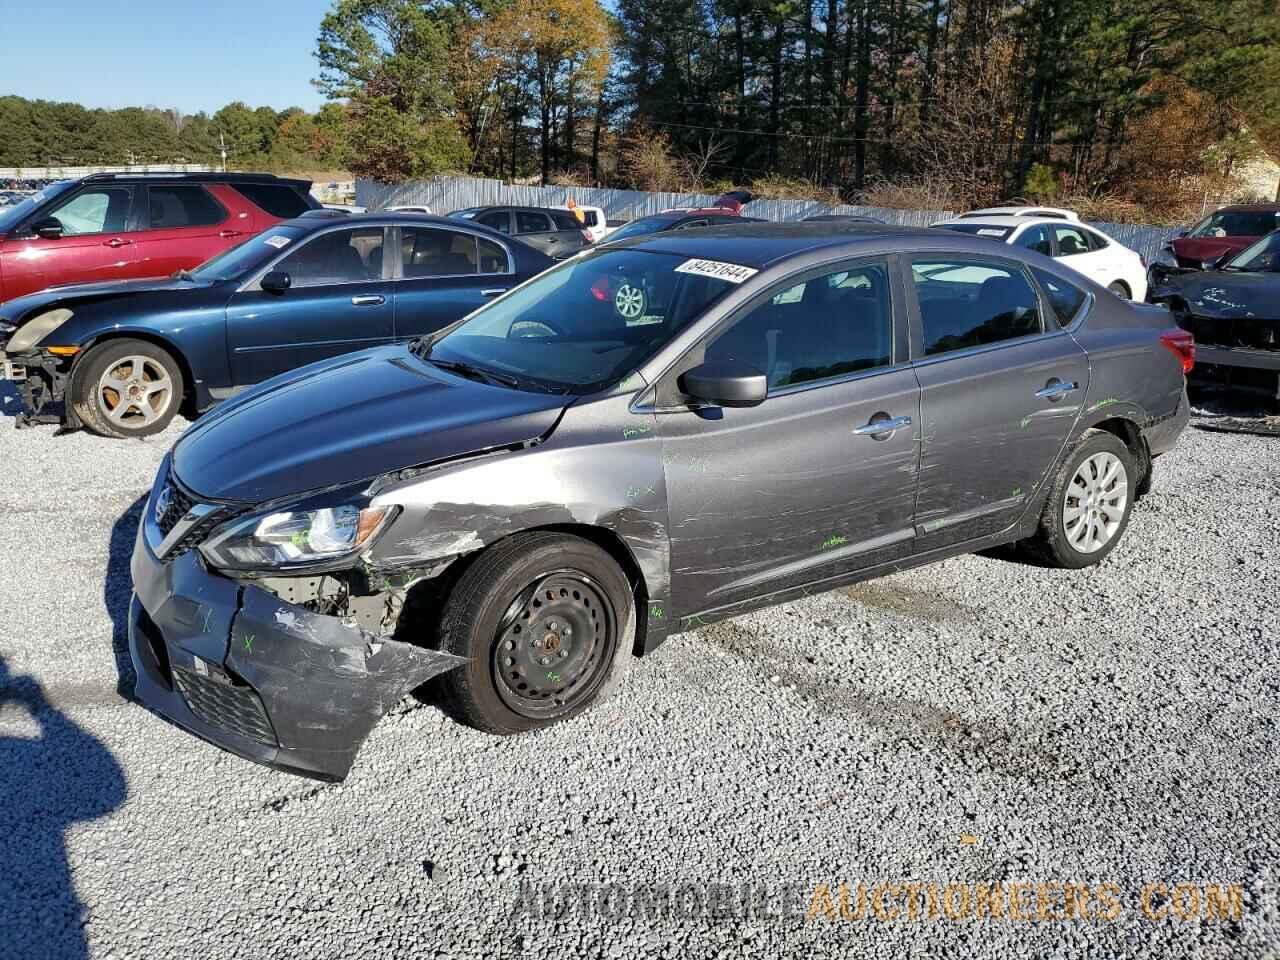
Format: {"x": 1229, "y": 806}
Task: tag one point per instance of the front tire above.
{"x": 127, "y": 388}
{"x": 1089, "y": 504}
{"x": 540, "y": 619}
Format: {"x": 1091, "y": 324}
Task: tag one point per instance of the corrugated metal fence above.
{"x": 445, "y": 194}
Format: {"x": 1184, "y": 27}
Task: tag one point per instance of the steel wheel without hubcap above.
{"x": 554, "y": 645}
{"x": 1095, "y": 503}
{"x": 135, "y": 392}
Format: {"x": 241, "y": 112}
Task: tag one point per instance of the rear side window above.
{"x": 493, "y": 259}
{"x": 1065, "y": 298}
{"x": 1096, "y": 240}
{"x": 182, "y": 206}
{"x": 529, "y": 222}
{"x": 1070, "y": 241}
{"x": 970, "y": 303}
{"x": 427, "y": 252}
{"x": 590, "y": 218}
{"x": 276, "y": 199}
{"x": 566, "y": 221}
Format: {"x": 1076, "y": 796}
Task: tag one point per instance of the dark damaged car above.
{"x": 1234, "y": 314}
{"x": 513, "y": 504}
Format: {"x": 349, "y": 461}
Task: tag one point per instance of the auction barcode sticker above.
{"x": 732, "y": 272}
{"x": 278, "y": 242}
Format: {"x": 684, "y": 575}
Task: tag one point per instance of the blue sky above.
{"x": 188, "y": 54}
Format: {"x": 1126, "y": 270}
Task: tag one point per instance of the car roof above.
{"x": 315, "y": 222}
{"x": 763, "y": 243}
{"x": 168, "y": 175}
{"x": 1023, "y": 210}
{"x": 1008, "y": 222}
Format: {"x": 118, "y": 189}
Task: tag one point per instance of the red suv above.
{"x": 122, "y": 226}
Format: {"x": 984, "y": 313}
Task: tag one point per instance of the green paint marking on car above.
{"x": 640, "y": 431}
{"x": 1104, "y": 403}
{"x": 834, "y": 541}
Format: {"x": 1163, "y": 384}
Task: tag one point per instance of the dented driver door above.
{"x": 819, "y": 479}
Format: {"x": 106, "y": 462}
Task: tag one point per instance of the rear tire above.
{"x": 1120, "y": 289}
{"x": 127, "y": 388}
{"x": 1089, "y": 504}
{"x": 540, "y": 619}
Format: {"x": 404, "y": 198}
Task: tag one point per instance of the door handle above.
{"x": 116, "y": 243}
{"x": 372, "y": 301}
{"x": 224, "y": 234}
{"x": 880, "y": 429}
{"x": 493, "y": 292}
{"x": 1056, "y": 390}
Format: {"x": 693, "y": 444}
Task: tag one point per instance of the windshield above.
{"x": 245, "y": 257}
{"x": 10, "y": 217}
{"x": 994, "y": 233}
{"x": 584, "y": 325}
{"x": 1262, "y": 257}
{"x": 639, "y": 228}
{"x": 1240, "y": 223}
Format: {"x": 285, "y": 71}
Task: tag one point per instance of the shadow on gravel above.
{"x": 52, "y": 775}
{"x": 117, "y": 589}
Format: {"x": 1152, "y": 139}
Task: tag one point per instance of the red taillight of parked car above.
{"x": 1183, "y": 346}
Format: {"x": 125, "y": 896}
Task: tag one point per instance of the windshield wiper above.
{"x": 477, "y": 373}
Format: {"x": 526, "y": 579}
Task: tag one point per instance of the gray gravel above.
{"x": 977, "y": 721}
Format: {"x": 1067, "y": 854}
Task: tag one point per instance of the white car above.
{"x": 413, "y": 208}
{"x": 593, "y": 221}
{"x": 1061, "y": 235}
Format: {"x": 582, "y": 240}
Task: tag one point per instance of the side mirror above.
{"x": 727, "y": 384}
{"x": 50, "y": 228}
{"x": 277, "y": 281}
{"x": 1218, "y": 262}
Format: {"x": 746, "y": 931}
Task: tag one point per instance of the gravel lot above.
{"x": 977, "y": 721}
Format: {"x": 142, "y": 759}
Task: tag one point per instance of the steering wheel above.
{"x": 528, "y": 329}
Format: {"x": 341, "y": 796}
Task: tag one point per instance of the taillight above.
{"x": 1183, "y": 345}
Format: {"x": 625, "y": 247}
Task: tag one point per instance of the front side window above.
{"x": 99, "y": 210}
{"x": 1071, "y": 241}
{"x": 431, "y": 252}
{"x": 182, "y": 206}
{"x": 498, "y": 220}
{"x": 1237, "y": 223}
{"x": 824, "y": 327}
{"x": 970, "y": 303}
{"x": 1261, "y": 257}
{"x": 585, "y": 324}
{"x": 341, "y": 256}
{"x": 529, "y": 222}
{"x": 1066, "y": 299}
{"x": 1035, "y": 238}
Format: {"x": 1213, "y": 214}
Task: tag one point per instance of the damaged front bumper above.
{"x": 268, "y": 680}
{"x": 42, "y": 381}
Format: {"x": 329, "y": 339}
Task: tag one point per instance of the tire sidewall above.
{"x": 473, "y": 633}
{"x": 96, "y": 362}
{"x": 1096, "y": 442}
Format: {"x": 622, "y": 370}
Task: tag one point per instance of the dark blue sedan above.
{"x": 127, "y": 356}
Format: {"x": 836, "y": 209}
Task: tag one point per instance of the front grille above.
{"x": 1247, "y": 333}
{"x": 179, "y": 502}
{"x": 231, "y": 706}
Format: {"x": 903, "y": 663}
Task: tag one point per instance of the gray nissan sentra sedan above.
{"x": 641, "y": 440}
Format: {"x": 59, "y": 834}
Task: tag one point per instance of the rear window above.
{"x": 980, "y": 230}
{"x": 590, "y": 218}
{"x": 182, "y": 206}
{"x": 276, "y": 199}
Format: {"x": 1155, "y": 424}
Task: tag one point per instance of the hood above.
{"x": 81, "y": 293}
{"x": 350, "y": 419}
{"x": 1193, "y": 251}
{"x": 1225, "y": 293}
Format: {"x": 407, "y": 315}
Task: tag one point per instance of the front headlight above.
{"x": 1166, "y": 257}
{"x": 30, "y": 334}
{"x": 285, "y": 539}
